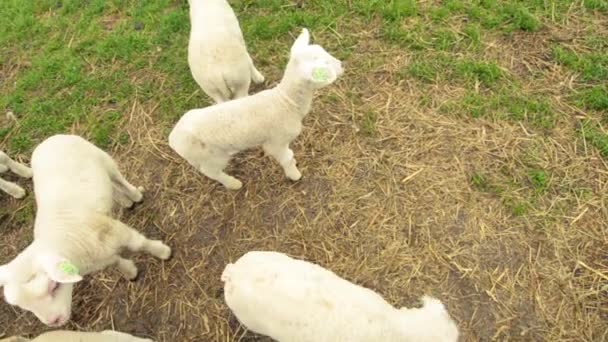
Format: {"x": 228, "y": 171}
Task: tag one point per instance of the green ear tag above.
{"x": 68, "y": 268}
{"x": 320, "y": 74}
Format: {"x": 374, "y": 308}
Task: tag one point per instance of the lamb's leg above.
{"x": 120, "y": 197}
{"x": 121, "y": 185}
{"x": 126, "y": 267}
{"x": 12, "y": 189}
{"x": 242, "y": 91}
{"x": 136, "y": 242}
{"x": 213, "y": 167}
{"x": 211, "y": 163}
{"x": 7, "y": 163}
{"x": 256, "y": 76}
{"x": 20, "y": 169}
{"x": 284, "y": 155}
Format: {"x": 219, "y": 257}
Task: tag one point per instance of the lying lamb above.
{"x": 297, "y": 301}
{"x": 75, "y": 336}
{"x": 75, "y": 184}
{"x": 207, "y": 138}
{"x": 6, "y": 164}
{"x": 217, "y": 53}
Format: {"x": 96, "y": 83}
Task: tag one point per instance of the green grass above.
{"x": 595, "y": 98}
{"x": 368, "y": 122}
{"x": 539, "y": 180}
{"x": 596, "y": 137}
{"x": 443, "y": 67}
{"x": 504, "y": 105}
{"x": 591, "y": 66}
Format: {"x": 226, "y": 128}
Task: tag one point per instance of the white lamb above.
{"x": 207, "y": 138}
{"x": 296, "y": 301}
{"x": 75, "y": 184}
{"x": 217, "y": 53}
{"x": 6, "y": 164}
{"x": 77, "y": 336}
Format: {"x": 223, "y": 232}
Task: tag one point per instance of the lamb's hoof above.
{"x": 233, "y": 184}
{"x": 258, "y": 79}
{"x": 140, "y": 195}
{"x": 18, "y": 193}
{"x": 165, "y": 253}
{"x": 26, "y": 173}
{"x": 294, "y": 175}
{"x": 132, "y": 273}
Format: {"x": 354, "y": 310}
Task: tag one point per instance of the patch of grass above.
{"x": 446, "y": 68}
{"x": 394, "y": 10}
{"x": 595, "y": 137}
{"x": 539, "y": 180}
{"x": 484, "y": 72}
{"x": 443, "y": 39}
{"x": 600, "y": 5}
{"x": 391, "y": 10}
{"x": 473, "y": 33}
{"x": 368, "y": 122}
{"x": 101, "y": 131}
{"x": 595, "y": 98}
{"x": 423, "y": 71}
{"x": 505, "y": 105}
{"x": 520, "y": 18}
{"x": 591, "y": 66}
{"x": 519, "y": 208}
{"x": 480, "y": 182}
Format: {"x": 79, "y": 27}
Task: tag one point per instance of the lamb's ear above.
{"x": 60, "y": 269}
{"x": 302, "y": 41}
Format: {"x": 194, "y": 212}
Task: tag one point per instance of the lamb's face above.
{"x": 313, "y": 63}
{"x": 35, "y": 291}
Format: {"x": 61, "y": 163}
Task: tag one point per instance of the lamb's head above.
{"x": 312, "y": 63}
{"x": 42, "y": 285}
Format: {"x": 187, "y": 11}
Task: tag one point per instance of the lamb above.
{"x": 75, "y": 185}
{"x": 297, "y": 301}
{"x": 207, "y": 138}
{"x": 76, "y": 336}
{"x": 217, "y": 54}
{"x": 6, "y": 164}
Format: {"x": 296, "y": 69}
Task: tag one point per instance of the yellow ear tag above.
{"x": 68, "y": 268}
{"x": 320, "y": 74}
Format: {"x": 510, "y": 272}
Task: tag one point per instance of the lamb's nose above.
{"x": 57, "y": 321}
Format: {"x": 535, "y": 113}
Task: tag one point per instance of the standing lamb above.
{"x": 217, "y": 53}
{"x": 207, "y": 138}
{"x": 76, "y": 336}
{"x": 75, "y": 185}
{"x": 296, "y": 301}
{"x": 6, "y": 164}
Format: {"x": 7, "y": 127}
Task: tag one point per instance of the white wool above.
{"x": 75, "y": 185}
{"x": 10, "y": 188}
{"x": 76, "y": 336}
{"x": 217, "y": 53}
{"x": 296, "y": 301}
{"x": 207, "y": 138}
